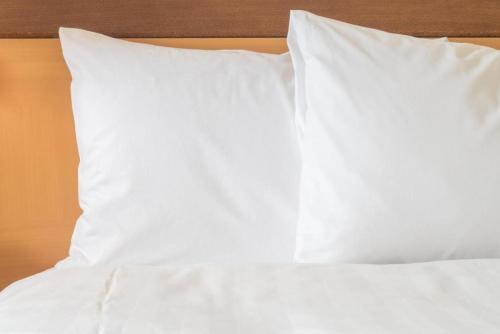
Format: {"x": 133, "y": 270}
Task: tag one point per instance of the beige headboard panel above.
{"x": 38, "y": 154}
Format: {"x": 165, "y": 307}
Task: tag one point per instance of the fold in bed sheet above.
{"x": 440, "y": 297}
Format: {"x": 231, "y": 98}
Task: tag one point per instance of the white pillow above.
{"x": 186, "y": 156}
{"x": 401, "y": 145}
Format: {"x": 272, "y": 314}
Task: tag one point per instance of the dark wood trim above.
{"x": 251, "y": 18}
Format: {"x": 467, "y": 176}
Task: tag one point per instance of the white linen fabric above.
{"x": 401, "y": 145}
{"x": 186, "y": 156}
{"x": 441, "y": 297}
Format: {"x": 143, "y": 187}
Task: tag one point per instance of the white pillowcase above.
{"x": 401, "y": 145}
{"x": 186, "y": 156}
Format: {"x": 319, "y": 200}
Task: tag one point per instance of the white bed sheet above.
{"x": 440, "y": 297}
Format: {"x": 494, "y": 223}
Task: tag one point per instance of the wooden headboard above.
{"x": 38, "y": 154}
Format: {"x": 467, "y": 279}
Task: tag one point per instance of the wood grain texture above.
{"x": 38, "y": 154}
{"x": 252, "y": 18}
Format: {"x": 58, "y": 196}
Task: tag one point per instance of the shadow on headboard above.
{"x": 252, "y": 18}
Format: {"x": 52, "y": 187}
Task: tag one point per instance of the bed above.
{"x": 39, "y": 202}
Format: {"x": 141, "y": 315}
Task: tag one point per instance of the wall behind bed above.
{"x": 38, "y": 156}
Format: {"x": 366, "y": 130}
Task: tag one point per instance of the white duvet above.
{"x": 440, "y": 297}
